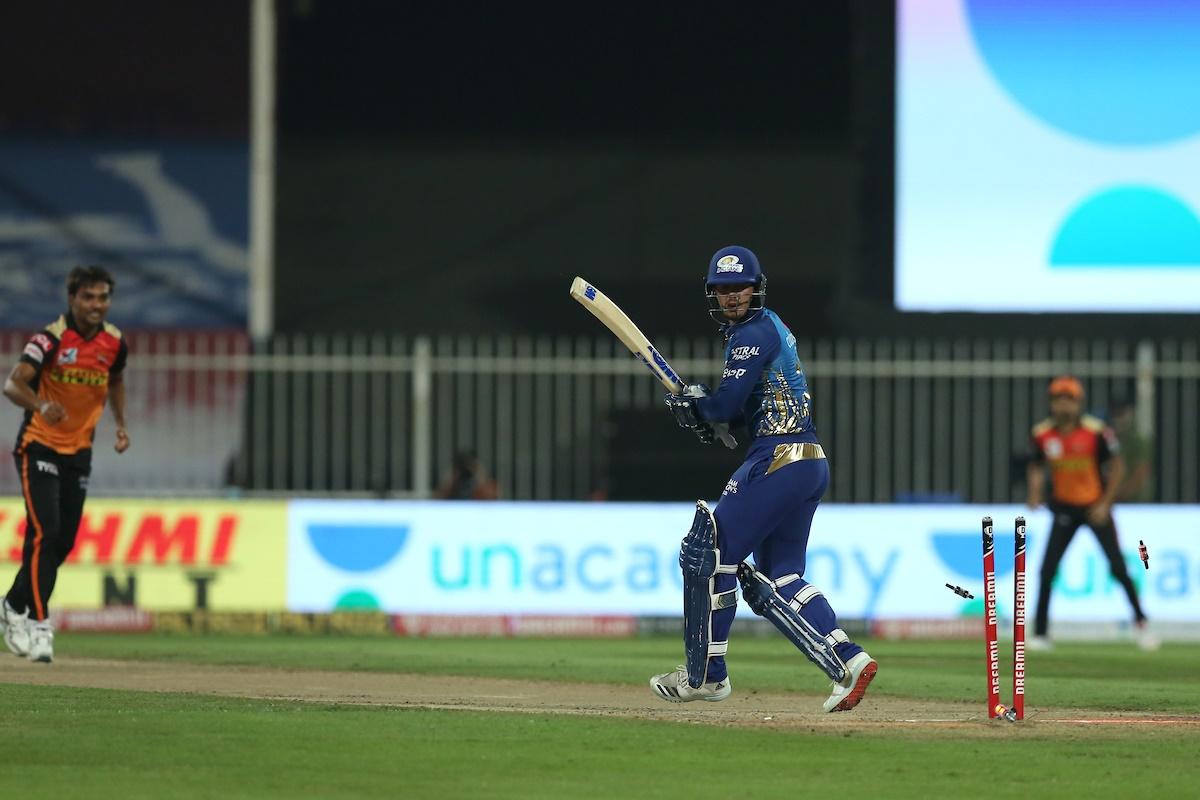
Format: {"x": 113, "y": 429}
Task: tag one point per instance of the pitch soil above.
{"x": 744, "y": 708}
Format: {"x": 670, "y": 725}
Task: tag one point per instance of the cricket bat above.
{"x": 623, "y": 328}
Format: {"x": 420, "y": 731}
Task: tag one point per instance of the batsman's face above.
{"x": 734, "y": 300}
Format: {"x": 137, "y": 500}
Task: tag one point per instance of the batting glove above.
{"x": 683, "y": 406}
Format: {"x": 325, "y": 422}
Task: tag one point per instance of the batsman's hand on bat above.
{"x": 705, "y": 433}
{"x": 687, "y": 414}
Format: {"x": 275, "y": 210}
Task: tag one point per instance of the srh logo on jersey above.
{"x": 80, "y": 377}
{"x": 729, "y": 263}
{"x": 742, "y": 353}
{"x": 69, "y": 355}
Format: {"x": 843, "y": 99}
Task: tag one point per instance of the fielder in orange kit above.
{"x": 1084, "y": 461}
{"x": 66, "y": 374}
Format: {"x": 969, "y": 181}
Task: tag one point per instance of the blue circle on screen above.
{"x": 1128, "y": 226}
{"x": 1118, "y": 72}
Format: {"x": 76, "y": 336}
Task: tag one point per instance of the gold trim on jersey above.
{"x": 58, "y": 327}
{"x": 785, "y": 454}
{"x": 784, "y": 413}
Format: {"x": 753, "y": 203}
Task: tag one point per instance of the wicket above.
{"x": 990, "y": 621}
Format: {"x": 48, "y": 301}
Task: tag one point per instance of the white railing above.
{"x": 563, "y": 418}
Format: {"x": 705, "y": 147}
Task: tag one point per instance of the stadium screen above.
{"x": 1048, "y": 155}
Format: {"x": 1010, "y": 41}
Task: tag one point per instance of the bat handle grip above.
{"x": 721, "y": 429}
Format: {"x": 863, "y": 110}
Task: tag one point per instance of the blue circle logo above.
{"x": 357, "y": 547}
{"x": 1119, "y": 72}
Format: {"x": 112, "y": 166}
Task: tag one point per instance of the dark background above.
{"x": 460, "y": 166}
{"x": 448, "y": 168}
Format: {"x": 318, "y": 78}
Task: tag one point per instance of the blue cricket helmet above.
{"x": 731, "y": 266}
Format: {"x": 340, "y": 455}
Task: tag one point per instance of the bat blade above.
{"x": 617, "y": 321}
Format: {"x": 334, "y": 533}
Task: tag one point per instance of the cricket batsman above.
{"x": 767, "y": 507}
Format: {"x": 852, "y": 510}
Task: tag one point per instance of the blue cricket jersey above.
{"x": 763, "y": 385}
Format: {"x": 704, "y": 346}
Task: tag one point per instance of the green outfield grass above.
{"x": 1109, "y": 676}
{"x": 99, "y": 743}
{"x": 125, "y": 744}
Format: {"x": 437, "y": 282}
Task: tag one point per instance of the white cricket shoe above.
{"x": 16, "y": 629}
{"x": 860, "y": 671}
{"x": 674, "y": 687}
{"x": 1041, "y": 643}
{"x": 1145, "y": 639}
{"x": 41, "y": 641}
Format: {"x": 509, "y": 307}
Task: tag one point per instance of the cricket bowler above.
{"x": 65, "y": 376}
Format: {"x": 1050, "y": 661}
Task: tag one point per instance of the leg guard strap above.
{"x": 762, "y": 598}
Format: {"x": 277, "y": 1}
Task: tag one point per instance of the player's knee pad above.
{"x": 763, "y": 598}
{"x": 700, "y": 561}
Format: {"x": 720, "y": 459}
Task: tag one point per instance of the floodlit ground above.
{"x": 333, "y": 716}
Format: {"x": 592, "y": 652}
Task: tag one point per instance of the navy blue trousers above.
{"x": 770, "y": 517}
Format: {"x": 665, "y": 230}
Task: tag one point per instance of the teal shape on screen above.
{"x": 1128, "y": 226}
{"x": 357, "y": 600}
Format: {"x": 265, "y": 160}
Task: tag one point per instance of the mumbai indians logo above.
{"x": 729, "y": 264}
{"x": 590, "y": 293}
{"x": 664, "y": 366}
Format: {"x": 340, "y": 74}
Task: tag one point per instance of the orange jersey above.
{"x": 74, "y": 372}
{"x": 1074, "y": 458}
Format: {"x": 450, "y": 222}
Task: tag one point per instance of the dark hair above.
{"x": 83, "y": 276}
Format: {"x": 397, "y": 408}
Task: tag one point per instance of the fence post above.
{"x": 422, "y": 456}
{"x": 1144, "y": 408}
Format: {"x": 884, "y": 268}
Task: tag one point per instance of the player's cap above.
{"x": 733, "y": 265}
{"x": 1066, "y": 385}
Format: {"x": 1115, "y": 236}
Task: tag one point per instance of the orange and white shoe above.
{"x": 860, "y": 671}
